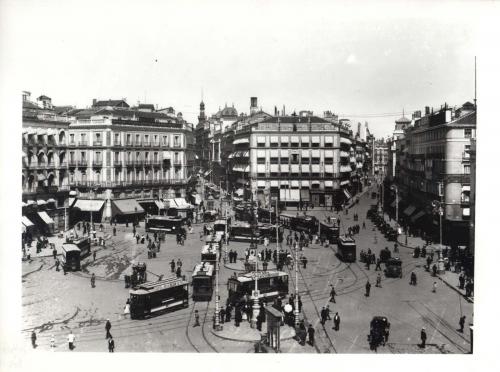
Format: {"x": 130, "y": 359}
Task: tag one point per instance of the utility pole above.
{"x": 217, "y": 325}
{"x": 296, "y": 310}
{"x": 277, "y": 226}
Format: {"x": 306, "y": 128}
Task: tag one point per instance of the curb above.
{"x": 248, "y": 341}
{"x": 468, "y": 299}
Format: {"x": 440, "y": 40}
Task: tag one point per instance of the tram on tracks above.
{"x": 156, "y": 297}
{"x": 346, "y": 249}
{"x": 330, "y": 229}
{"x": 269, "y": 231}
{"x": 243, "y": 232}
{"x": 165, "y": 224}
{"x": 307, "y": 224}
{"x": 266, "y": 215}
{"x": 202, "y": 281}
{"x": 270, "y": 284}
{"x": 210, "y": 253}
{"x": 73, "y": 251}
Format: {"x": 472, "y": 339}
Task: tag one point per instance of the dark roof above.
{"x": 62, "y": 109}
{"x": 111, "y": 102}
{"x": 403, "y": 119}
{"x": 295, "y": 119}
{"x": 43, "y": 97}
{"x": 466, "y": 119}
{"x": 146, "y": 106}
{"x": 30, "y": 105}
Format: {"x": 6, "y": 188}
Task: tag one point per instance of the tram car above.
{"x": 209, "y": 253}
{"x": 269, "y": 231}
{"x": 393, "y": 268}
{"x": 330, "y": 229}
{"x": 215, "y": 240}
{"x": 73, "y": 251}
{"x": 266, "y": 216}
{"x": 221, "y": 225}
{"x": 307, "y": 224}
{"x": 138, "y": 275}
{"x": 243, "y": 232}
{"x": 379, "y": 332}
{"x": 164, "y": 224}
{"x": 202, "y": 281}
{"x": 152, "y": 298}
{"x": 243, "y": 212}
{"x": 270, "y": 284}
{"x": 346, "y": 249}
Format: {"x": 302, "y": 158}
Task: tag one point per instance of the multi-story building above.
{"x": 45, "y": 179}
{"x": 434, "y": 164}
{"x": 297, "y": 159}
{"x": 380, "y": 157}
{"x": 115, "y": 152}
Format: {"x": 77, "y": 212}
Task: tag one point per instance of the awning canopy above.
{"x": 345, "y": 182}
{"x": 328, "y": 183}
{"x": 160, "y": 204}
{"x": 305, "y": 183}
{"x": 294, "y": 183}
{"x": 23, "y": 204}
{"x": 274, "y": 183}
{"x": 181, "y": 203}
{"x": 41, "y": 202}
{"x": 261, "y": 183}
{"x": 417, "y": 216}
{"x": 240, "y": 141}
{"x": 89, "y": 205}
{"x": 26, "y": 221}
{"x": 128, "y": 206}
{"x": 409, "y": 210}
{"x": 30, "y": 202}
{"x": 46, "y": 218}
{"x": 51, "y": 200}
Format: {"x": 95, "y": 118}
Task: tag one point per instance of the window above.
{"x": 155, "y": 157}
{"x": 467, "y": 169}
{"x": 72, "y": 138}
{"x": 305, "y": 160}
{"x": 295, "y": 158}
{"x": 176, "y": 141}
{"x": 261, "y": 160}
{"x": 165, "y": 140}
{"x": 156, "y": 139}
{"x": 117, "y": 157}
{"x": 98, "y": 157}
{"x": 328, "y": 161}
{"x": 305, "y": 144}
{"x": 117, "y": 138}
{"x": 128, "y": 139}
{"x": 315, "y": 161}
{"x": 137, "y": 139}
{"x": 82, "y": 155}
{"x": 146, "y": 139}
{"x": 72, "y": 156}
{"x": 468, "y": 133}
{"x": 83, "y": 138}
{"x": 284, "y": 160}
{"x": 274, "y": 160}
{"x": 176, "y": 157}
{"x": 137, "y": 156}
{"x": 261, "y": 175}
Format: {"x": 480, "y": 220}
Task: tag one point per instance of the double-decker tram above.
{"x": 154, "y": 297}
{"x": 330, "y": 229}
{"x": 202, "y": 281}
{"x": 243, "y": 232}
{"x": 165, "y": 224}
{"x": 270, "y": 284}
{"x": 209, "y": 253}
{"x": 307, "y": 224}
{"x": 73, "y": 251}
{"x": 346, "y": 249}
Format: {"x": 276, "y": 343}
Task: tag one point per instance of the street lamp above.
{"x": 395, "y": 189}
{"x": 438, "y": 208}
{"x": 217, "y": 325}
{"x": 253, "y": 245}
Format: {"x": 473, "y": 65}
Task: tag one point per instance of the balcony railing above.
{"x": 63, "y": 164}
{"x": 129, "y": 163}
{"x": 108, "y": 184}
{"x": 72, "y": 163}
{"x": 146, "y": 144}
{"x": 83, "y": 143}
{"x": 139, "y": 163}
{"x": 82, "y": 163}
{"x": 155, "y": 144}
{"x": 177, "y": 145}
{"x": 97, "y": 143}
{"x": 71, "y": 144}
{"x": 177, "y": 163}
{"x": 97, "y": 163}
{"x": 465, "y": 155}
{"x": 117, "y": 143}
{"x": 51, "y": 164}
{"x": 117, "y": 164}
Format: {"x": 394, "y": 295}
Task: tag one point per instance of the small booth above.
{"x": 126, "y": 210}
{"x": 273, "y": 320}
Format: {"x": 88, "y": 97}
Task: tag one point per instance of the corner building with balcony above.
{"x": 297, "y": 159}
{"x": 119, "y": 155}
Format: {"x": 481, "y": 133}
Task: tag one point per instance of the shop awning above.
{"x": 46, "y": 218}
{"x": 305, "y": 183}
{"x": 128, "y": 206}
{"x": 294, "y": 183}
{"x": 328, "y": 183}
{"x": 345, "y": 182}
{"x": 23, "y": 204}
{"x": 417, "y": 216}
{"x": 182, "y": 204}
{"x": 41, "y": 177}
{"x": 409, "y": 210}
{"x": 26, "y": 221}
{"x": 160, "y": 204}
{"x": 51, "y": 200}
{"x": 347, "y": 194}
{"x": 41, "y": 202}
{"x": 89, "y": 205}
{"x": 240, "y": 141}
{"x": 261, "y": 183}
{"x": 274, "y": 183}
{"x": 345, "y": 140}
{"x": 197, "y": 199}
{"x": 30, "y": 202}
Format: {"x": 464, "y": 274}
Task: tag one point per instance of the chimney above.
{"x": 253, "y": 105}
{"x": 275, "y": 111}
{"x": 284, "y": 113}
{"x": 94, "y": 101}
{"x": 427, "y": 110}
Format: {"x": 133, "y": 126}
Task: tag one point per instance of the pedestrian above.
{"x": 196, "y": 319}
{"x": 304, "y": 261}
{"x": 300, "y": 305}
{"x": 461, "y": 322}
{"x": 328, "y": 311}
{"x": 222, "y": 315}
{"x": 57, "y": 264}
{"x": 377, "y": 267}
{"x": 368, "y": 287}
{"x": 54, "y": 253}
{"x": 323, "y": 315}
{"x": 336, "y": 321}
{"x": 434, "y": 287}
{"x": 52, "y": 341}
{"x": 379, "y": 281}
{"x": 179, "y": 263}
{"x": 172, "y": 266}
{"x": 33, "y": 339}
{"x": 71, "y": 340}
{"x": 178, "y": 272}
{"x": 111, "y": 344}
{"x": 126, "y": 309}
{"x": 107, "y": 327}
{"x": 92, "y": 280}
{"x": 310, "y": 333}
{"x": 332, "y": 295}
{"x": 413, "y": 279}
{"x": 114, "y": 231}
{"x": 94, "y": 254}
{"x": 423, "y": 337}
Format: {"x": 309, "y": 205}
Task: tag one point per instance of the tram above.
{"x": 154, "y": 297}
{"x": 73, "y": 251}
{"x": 270, "y": 284}
{"x": 215, "y": 240}
{"x": 308, "y": 224}
{"x": 346, "y": 249}
{"x": 269, "y": 231}
{"x": 165, "y": 224}
{"x": 243, "y": 232}
{"x": 209, "y": 253}
{"x": 266, "y": 215}
{"x": 202, "y": 281}
{"x": 220, "y": 225}
{"x": 243, "y": 212}
{"x": 330, "y": 230}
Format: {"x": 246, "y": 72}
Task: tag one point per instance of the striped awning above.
{"x": 41, "y": 202}
{"x": 347, "y": 194}
{"x": 26, "y": 222}
{"x": 240, "y": 140}
{"x": 46, "y": 218}
{"x": 89, "y": 205}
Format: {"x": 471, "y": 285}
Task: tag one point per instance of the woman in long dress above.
{"x": 126, "y": 310}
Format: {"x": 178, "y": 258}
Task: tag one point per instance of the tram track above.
{"x": 203, "y": 329}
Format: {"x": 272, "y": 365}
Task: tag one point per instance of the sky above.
{"x": 368, "y": 61}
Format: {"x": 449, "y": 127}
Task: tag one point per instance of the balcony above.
{"x": 129, "y": 163}
{"x": 146, "y": 144}
{"x": 156, "y": 144}
{"x": 139, "y": 163}
{"x": 131, "y": 183}
{"x": 176, "y": 145}
{"x": 50, "y": 165}
{"x": 72, "y": 163}
{"x": 63, "y": 164}
{"x": 82, "y": 163}
{"x": 466, "y": 156}
{"x": 71, "y": 144}
{"x": 148, "y": 163}
{"x": 117, "y": 163}
{"x": 61, "y": 144}
{"x": 177, "y": 163}
{"x": 83, "y": 143}
{"x": 156, "y": 163}
{"x": 51, "y": 143}
{"x": 97, "y": 143}
{"x": 129, "y": 144}
{"x": 117, "y": 143}
{"x": 137, "y": 143}
{"x": 97, "y": 163}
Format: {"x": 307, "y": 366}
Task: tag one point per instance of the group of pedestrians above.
{"x": 176, "y": 267}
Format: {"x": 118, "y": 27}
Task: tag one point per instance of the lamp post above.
{"x": 438, "y": 207}
{"x": 395, "y": 189}
{"x": 296, "y": 307}
{"x": 255, "y": 294}
{"x": 217, "y": 325}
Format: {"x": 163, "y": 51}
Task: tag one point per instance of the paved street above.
{"x": 54, "y": 303}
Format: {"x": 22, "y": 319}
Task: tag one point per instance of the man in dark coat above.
{"x": 332, "y": 295}
{"x": 172, "y": 266}
{"x": 461, "y": 322}
{"x": 222, "y": 315}
{"x": 323, "y": 315}
{"x": 33, "y": 339}
{"x": 111, "y": 345}
{"x": 237, "y": 316}
{"x": 368, "y": 287}
{"x": 336, "y": 321}
{"x": 310, "y": 333}
{"x": 423, "y": 337}
{"x": 107, "y": 327}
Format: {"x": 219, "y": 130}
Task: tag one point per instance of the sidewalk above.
{"x": 449, "y": 278}
{"x": 244, "y": 333}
